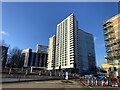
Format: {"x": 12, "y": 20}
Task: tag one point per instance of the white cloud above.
{"x": 3, "y": 33}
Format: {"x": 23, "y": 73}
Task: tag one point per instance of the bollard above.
{"x": 92, "y": 83}
{"x": 102, "y": 83}
{"x": 96, "y": 83}
{"x": 88, "y": 82}
{"x": 116, "y": 84}
{"x": 106, "y": 83}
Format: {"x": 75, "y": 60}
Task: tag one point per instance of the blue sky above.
{"x": 26, "y": 24}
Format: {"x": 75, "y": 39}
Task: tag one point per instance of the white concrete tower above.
{"x": 66, "y": 43}
{"x": 51, "y": 53}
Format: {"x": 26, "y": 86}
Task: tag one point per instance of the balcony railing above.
{"x": 108, "y": 51}
{"x": 108, "y": 26}
{"x": 111, "y": 43}
{"x": 113, "y": 50}
{"x": 108, "y": 32}
{"x": 108, "y": 38}
{"x": 116, "y": 49}
{"x": 106, "y": 23}
{"x": 109, "y": 57}
{"x": 118, "y": 40}
{"x": 107, "y": 44}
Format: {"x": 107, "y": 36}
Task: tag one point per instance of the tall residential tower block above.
{"x": 74, "y": 48}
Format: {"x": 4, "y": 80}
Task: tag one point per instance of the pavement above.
{"x": 15, "y": 80}
{"x": 74, "y": 84}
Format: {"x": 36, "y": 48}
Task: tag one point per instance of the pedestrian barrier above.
{"x": 88, "y": 82}
{"x": 102, "y": 83}
{"x": 114, "y": 82}
{"x": 92, "y": 83}
{"x": 106, "y": 83}
{"x": 96, "y": 83}
{"x": 116, "y": 85}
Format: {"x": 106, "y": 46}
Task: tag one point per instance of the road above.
{"x": 51, "y": 85}
{"x": 45, "y": 84}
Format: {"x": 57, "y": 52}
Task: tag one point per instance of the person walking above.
{"x": 66, "y": 75}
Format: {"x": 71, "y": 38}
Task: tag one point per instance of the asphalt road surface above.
{"x": 46, "y": 84}
{"x": 52, "y": 85}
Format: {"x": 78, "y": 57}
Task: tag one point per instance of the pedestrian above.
{"x": 66, "y": 75}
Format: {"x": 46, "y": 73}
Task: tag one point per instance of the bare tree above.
{"x": 3, "y": 43}
{"x": 15, "y": 58}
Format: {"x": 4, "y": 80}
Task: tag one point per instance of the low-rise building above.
{"x": 3, "y": 55}
{"x": 27, "y": 57}
{"x": 37, "y": 59}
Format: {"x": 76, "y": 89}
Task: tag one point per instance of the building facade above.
{"x": 41, "y": 49}
{"x": 3, "y": 55}
{"x": 66, "y": 43}
{"x": 74, "y": 47}
{"x": 112, "y": 42}
{"x": 86, "y": 52}
{"x": 27, "y": 57}
{"x": 51, "y": 53}
{"x": 37, "y": 59}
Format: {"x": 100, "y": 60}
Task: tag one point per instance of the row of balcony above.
{"x": 108, "y": 31}
{"x": 107, "y": 24}
{"x": 112, "y": 57}
{"x": 109, "y": 37}
{"x": 112, "y": 42}
{"x": 113, "y": 49}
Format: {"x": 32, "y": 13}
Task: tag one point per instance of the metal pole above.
{"x": 10, "y": 71}
{"x": 50, "y": 73}
{"x": 39, "y": 73}
{"x": 31, "y": 69}
{"x": 26, "y": 72}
